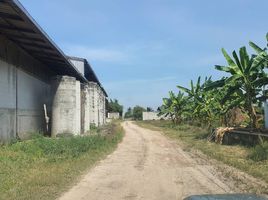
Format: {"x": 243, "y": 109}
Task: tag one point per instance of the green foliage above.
{"x": 259, "y": 152}
{"x": 247, "y": 77}
{"x": 149, "y": 109}
{"x": 41, "y": 168}
{"x": 93, "y": 126}
{"x": 129, "y": 113}
{"x": 137, "y": 112}
{"x": 114, "y": 106}
{"x": 208, "y": 103}
{"x": 174, "y": 107}
{"x": 63, "y": 148}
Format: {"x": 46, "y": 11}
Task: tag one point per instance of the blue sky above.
{"x": 142, "y": 49}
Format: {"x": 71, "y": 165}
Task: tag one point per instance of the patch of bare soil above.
{"x": 147, "y": 165}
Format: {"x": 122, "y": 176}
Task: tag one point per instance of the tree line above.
{"x": 135, "y": 113}
{"x": 209, "y": 102}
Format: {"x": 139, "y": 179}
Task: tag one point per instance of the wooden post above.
{"x": 46, "y": 117}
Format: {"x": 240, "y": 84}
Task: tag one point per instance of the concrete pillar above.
{"x": 78, "y": 109}
{"x": 65, "y": 106}
{"x": 85, "y": 109}
{"x": 97, "y": 102}
{"x": 93, "y": 103}
{"x": 104, "y": 108}
{"x": 100, "y": 106}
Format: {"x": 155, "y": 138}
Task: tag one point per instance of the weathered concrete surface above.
{"x": 32, "y": 94}
{"x": 85, "y": 109}
{"x": 7, "y": 124}
{"x": 77, "y": 119}
{"x": 7, "y": 101}
{"x": 147, "y": 165}
{"x": 94, "y": 108}
{"x": 100, "y": 106}
{"x": 22, "y": 94}
{"x": 26, "y": 87}
{"x": 64, "y": 105}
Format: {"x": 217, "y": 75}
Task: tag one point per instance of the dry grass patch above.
{"x": 237, "y": 156}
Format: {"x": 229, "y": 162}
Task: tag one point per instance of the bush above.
{"x": 259, "y": 152}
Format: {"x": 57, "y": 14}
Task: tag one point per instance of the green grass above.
{"x": 42, "y": 168}
{"x": 195, "y": 137}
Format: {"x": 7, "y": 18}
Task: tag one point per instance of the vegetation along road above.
{"x": 148, "y": 165}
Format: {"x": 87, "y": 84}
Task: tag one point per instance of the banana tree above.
{"x": 262, "y": 56}
{"x": 221, "y": 106}
{"x": 245, "y": 81}
{"x": 174, "y": 107}
{"x": 200, "y": 101}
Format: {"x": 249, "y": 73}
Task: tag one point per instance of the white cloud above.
{"x": 96, "y": 54}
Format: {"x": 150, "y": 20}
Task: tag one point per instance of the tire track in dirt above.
{"x": 147, "y": 165}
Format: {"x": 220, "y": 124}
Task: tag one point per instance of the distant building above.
{"x": 150, "y": 116}
{"x": 114, "y": 115}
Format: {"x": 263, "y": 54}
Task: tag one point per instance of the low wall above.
{"x": 150, "y": 116}
{"x": 114, "y": 115}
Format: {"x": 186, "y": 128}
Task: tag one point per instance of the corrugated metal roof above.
{"x": 17, "y": 25}
{"x": 91, "y": 76}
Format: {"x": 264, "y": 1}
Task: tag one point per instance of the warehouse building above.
{"x": 97, "y": 94}
{"x": 41, "y": 89}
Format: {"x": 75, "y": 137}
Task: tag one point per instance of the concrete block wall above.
{"x": 113, "y": 115}
{"x": 150, "y": 116}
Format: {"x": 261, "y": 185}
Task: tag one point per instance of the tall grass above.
{"x": 42, "y": 168}
{"x": 259, "y": 152}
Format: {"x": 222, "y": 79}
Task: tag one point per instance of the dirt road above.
{"x": 146, "y": 165}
